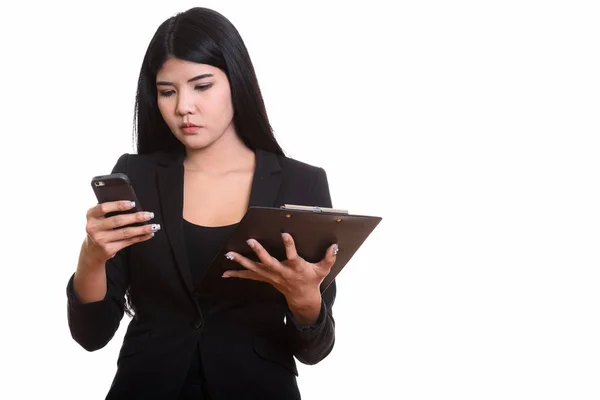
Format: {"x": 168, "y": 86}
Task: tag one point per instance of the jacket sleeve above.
{"x": 93, "y": 325}
{"x": 312, "y": 343}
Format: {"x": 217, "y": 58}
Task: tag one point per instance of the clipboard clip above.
{"x": 313, "y": 209}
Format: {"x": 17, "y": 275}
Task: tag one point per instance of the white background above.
{"x": 471, "y": 127}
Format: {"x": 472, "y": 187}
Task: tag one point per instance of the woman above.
{"x": 205, "y": 153}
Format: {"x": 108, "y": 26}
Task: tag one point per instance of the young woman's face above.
{"x": 195, "y": 102}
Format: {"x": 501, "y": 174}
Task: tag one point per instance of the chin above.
{"x": 196, "y": 142}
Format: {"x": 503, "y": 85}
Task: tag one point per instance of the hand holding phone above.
{"x": 115, "y": 187}
{"x": 117, "y": 221}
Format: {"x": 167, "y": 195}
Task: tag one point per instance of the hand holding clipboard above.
{"x": 314, "y": 230}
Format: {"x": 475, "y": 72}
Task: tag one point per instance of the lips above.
{"x": 189, "y": 128}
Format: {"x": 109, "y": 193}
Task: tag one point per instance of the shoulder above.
{"x": 293, "y": 171}
{"x": 297, "y": 167}
{"x": 301, "y": 174}
{"x": 128, "y": 162}
{"x": 307, "y": 182}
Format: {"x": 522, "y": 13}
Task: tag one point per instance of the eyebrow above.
{"x": 196, "y": 78}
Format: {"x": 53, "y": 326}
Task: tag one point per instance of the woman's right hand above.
{"x": 108, "y": 235}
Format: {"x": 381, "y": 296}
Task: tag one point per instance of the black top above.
{"x": 202, "y": 245}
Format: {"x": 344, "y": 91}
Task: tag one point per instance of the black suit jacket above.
{"x": 244, "y": 329}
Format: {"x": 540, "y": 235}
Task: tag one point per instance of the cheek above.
{"x": 223, "y": 103}
{"x": 163, "y": 108}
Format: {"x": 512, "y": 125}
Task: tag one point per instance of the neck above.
{"x": 229, "y": 153}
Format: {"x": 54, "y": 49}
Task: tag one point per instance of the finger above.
{"x": 112, "y": 248}
{"x": 265, "y": 258}
{"x": 102, "y": 209}
{"x": 243, "y": 261}
{"x": 126, "y": 233}
{"x": 290, "y": 247}
{"x": 253, "y": 266}
{"x": 244, "y": 275}
{"x": 117, "y": 221}
{"x": 133, "y": 240}
{"x": 330, "y": 256}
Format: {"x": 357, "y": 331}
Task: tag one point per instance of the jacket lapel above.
{"x": 170, "y": 191}
{"x": 265, "y": 187}
{"x": 266, "y": 181}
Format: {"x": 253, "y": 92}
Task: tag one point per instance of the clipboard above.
{"x": 314, "y": 229}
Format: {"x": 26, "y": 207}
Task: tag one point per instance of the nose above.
{"x": 185, "y": 104}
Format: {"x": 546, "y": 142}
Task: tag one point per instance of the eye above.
{"x": 203, "y": 87}
{"x": 166, "y": 93}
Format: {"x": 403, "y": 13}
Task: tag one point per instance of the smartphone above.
{"x": 115, "y": 187}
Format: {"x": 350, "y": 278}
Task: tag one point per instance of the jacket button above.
{"x": 197, "y": 323}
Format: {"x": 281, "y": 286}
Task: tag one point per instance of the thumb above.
{"x": 330, "y": 257}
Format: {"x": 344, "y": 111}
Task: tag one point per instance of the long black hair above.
{"x": 203, "y": 36}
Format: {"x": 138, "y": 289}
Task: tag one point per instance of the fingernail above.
{"x": 152, "y": 234}
{"x": 149, "y": 215}
{"x": 335, "y": 249}
{"x": 250, "y": 243}
{"x": 229, "y": 256}
{"x": 225, "y": 275}
{"x": 285, "y": 236}
{"x": 132, "y": 204}
{"x": 155, "y": 227}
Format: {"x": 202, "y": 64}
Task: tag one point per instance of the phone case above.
{"x": 115, "y": 187}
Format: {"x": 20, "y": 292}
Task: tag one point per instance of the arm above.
{"x": 312, "y": 342}
{"x": 95, "y": 293}
{"x": 309, "y": 323}
{"x": 93, "y": 324}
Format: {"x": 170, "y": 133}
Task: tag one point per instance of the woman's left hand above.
{"x": 297, "y": 279}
